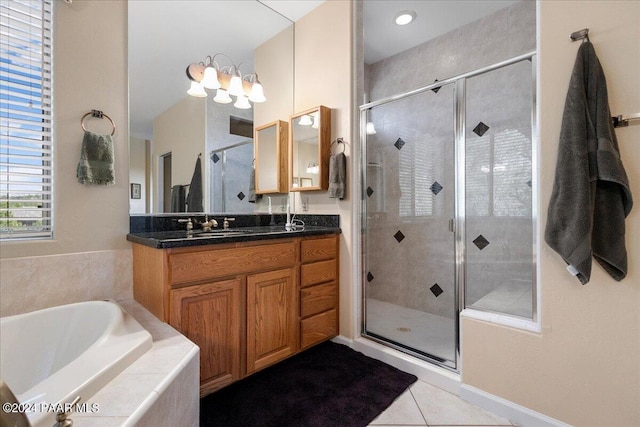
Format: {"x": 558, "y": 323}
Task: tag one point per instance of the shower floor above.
{"x": 425, "y": 332}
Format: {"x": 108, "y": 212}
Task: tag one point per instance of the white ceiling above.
{"x": 166, "y": 36}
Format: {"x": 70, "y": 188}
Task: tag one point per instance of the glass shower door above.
{"x": 409, "y": 244}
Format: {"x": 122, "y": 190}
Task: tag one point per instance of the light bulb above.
{"x": 210, "y": 79}
{"x": 316, "y": 122}
{"x": 257, "y": 92}
{"x": 242, "y": 102}
{"x": 405, "y": 17}
{"x": 235, "y": 87}
{"x": 222, "y": 97}
{"x": 305, "y": 120}
{"x": 197, "y": 90}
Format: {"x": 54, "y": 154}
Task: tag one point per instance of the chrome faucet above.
{"x": 208, "y": 225}
{"x": 62, "y": 417}
{"x": 189, "y": 224}
{"x": 225, "y": 223}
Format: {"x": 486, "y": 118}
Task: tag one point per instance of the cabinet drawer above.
{"x": 318, "y": 272}
{"x": 203, "y": 265}
{"x": 318, "y": 249}
{"x": 319, "y": 298}
{"x": 319, "y": 328}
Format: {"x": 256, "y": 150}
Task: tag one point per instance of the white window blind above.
{"x": 25, "y": 119}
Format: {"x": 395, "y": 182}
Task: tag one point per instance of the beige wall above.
{"x": 90, "y": 72}
{"x": 89, "y": 257}
{"x": 273, "y": 61}
{"x": 323, "y": 77}
{"x": 584, "y": 368}
{"x": 181, "y": 131}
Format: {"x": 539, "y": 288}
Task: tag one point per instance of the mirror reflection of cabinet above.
{"x": 309, "y": 141}
{"x": 270, "y": 151}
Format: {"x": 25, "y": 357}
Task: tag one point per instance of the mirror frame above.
{"x": 324, "y": 144}
{"x": 282, "y": 130}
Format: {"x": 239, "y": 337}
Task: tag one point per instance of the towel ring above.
{"x": 99, "y": 115}
{"x": 338, "y": 141}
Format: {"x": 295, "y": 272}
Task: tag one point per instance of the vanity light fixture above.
{"x": 228, "y": 80}
{"x": 405, "y": 17}
{"x": 313, "y": 167}
{"x": 371, "y": 130}
{"x": 197, "y": 90}
{"x": 305, "y": 120}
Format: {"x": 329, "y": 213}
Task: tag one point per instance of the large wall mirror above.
{"x": 170, "y": 130}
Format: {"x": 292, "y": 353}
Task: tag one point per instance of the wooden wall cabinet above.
{"x": 270, "y": 153}
{"x": 246, "y": 305}
{"x": 309, "y": 144}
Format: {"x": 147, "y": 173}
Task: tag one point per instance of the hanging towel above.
{"x": 96, "y": 160}
{"x": 178, "y": 199}
{"x": 591, "y": 196}
{"x": 253, "y": 197}
{"x": 337, "y": 176}
{"x": 194, "y": 199}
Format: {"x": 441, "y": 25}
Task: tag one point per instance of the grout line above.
{"x": 419, "y": 409}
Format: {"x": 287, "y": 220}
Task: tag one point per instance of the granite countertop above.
{"x": 180, "y": 239}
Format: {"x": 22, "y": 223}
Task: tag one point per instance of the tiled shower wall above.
{"x": 415, "y": 269}
{"x": 34, "y": 283}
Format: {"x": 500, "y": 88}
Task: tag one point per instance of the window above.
{"x": 25, "y": 119}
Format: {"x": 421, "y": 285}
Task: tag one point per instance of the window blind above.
{"x": 25, "y": 119}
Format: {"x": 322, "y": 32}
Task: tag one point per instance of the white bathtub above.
{"x": 53, "y": 355}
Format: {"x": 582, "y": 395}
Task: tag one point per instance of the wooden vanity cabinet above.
{"x": 209, "y": 314}
{"x": 318, "y": 290}
{"x": 246, "y": 305}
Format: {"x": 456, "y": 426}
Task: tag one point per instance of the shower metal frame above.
{"x": 459, "y": 83}
{"x": 223, "y": 166}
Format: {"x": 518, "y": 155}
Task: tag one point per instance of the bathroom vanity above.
{"x": 247, "y": 299}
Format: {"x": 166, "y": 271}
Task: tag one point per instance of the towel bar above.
{"x": 98, "y": 115}
{"x": 623, "y": 121}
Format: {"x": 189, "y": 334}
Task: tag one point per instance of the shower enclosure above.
{"x": 447, "y": 214}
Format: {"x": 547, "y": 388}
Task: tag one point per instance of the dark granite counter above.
{"x": 181, "y": 239}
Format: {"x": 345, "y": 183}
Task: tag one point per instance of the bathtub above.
{"x": 51, "y": 356}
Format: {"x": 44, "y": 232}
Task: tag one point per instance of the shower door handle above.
{"x": 452, "y": 225}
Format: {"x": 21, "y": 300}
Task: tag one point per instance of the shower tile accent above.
{"x": 369, "y": 191}
{"x": 436, "y": 89}
{"x": 215, "y": 158}
{"x": 480, "y": 129}
{"x": 436, "y": 289}
{"x": 369, "y": 277}
{"x": 436, "y": 187}
{"x": 399, "y": 144}
{"x": 481, "y": 242}
{"x": 399, "y": 236}
{"x": 241, "y": 195}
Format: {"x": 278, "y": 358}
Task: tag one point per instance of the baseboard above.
{"x": 519, "y": 415}
{"x": 341, "y": 339}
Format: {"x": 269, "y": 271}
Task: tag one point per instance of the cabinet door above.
{"x": 209, "y": 315}
{"x": 272, "y": 321}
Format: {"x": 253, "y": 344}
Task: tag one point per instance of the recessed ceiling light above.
{"x": 405, "y": 17}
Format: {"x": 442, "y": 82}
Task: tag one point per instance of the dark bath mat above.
{"x": 328, "y": 385}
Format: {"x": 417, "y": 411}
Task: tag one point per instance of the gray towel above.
{"x": 337, "y": 175}
{"x": 96, "y": 160}
{"x": 253, "y": 197}
{"x": 178, "y": 202}
{"x": 591, "y": 196}
{"x": 194, "y": 199}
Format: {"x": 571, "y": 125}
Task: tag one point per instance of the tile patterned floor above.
{"x": 425, "y": 405}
